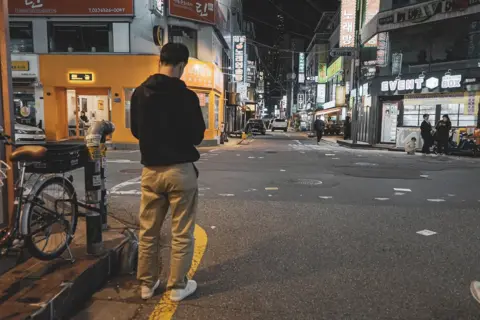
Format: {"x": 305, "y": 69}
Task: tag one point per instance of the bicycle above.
{"x": 49, "y": 208}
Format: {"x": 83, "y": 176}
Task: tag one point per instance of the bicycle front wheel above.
{"x": 51, "y": 218}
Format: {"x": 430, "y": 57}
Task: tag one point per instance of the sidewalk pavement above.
{"x": 52, "y": 289}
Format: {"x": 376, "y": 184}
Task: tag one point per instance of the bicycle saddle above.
{"x": 28, "y": 153}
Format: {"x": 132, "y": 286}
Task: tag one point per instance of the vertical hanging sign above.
{"x": 347, "y": 23}
{"x": 239, "y": 43}
{"x": 301, "y": 67}
{"x": 383, "y": 49}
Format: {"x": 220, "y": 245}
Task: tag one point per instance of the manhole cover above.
{"x": 366, "y": 164}
{"x": 309, "y": 182}
{"x": 131, "y": 171}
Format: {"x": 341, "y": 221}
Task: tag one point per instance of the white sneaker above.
{"x": 147, "y": 292}
{"x": 475, "y": 290}
{"x": 178, "y": 295}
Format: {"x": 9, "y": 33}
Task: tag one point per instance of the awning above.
{"x": 328, "y": 111}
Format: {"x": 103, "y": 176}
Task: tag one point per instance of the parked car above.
{"x": 28, "y": 135}
{"x": 280, "y": 124}
{"x": 257, "y": 126}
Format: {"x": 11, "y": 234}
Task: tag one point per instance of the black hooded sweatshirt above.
{"x": 167, "y": 120}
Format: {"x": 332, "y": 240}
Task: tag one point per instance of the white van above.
{"x": 280, "y": 124}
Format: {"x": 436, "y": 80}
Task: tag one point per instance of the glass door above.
{"x": 389, "y": 122}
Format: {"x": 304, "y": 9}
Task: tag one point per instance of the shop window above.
{"x": 184, "y": 35}
{"x": 128, "y": 104}
{"x": 80, "y": 37}
{"x": 205, "y": 105}
{"x": 21, "y": 37}
{"x": 458, "y": 115}
{"x": 413, "y": 114}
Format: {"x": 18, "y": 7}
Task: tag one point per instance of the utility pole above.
{"x": 358, "y": 69}
{"x": 6, "y": 113}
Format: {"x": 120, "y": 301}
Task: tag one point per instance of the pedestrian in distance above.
{"x": 319, "y": 126}
{"x": 443, "y": 128}
{"x": 411, "y": 146}
{"x": 168, "y": 122}
{"x": 347, "y": 128}
{"x": 426, "y": 133}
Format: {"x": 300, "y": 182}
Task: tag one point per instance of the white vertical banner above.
{"x": 347, "y": 23}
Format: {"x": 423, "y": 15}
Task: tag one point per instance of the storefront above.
{"x": 27, "y": 91}
{"x": 403, "y": 102}
{"x": 79, "y": 90}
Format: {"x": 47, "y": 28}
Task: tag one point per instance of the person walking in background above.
{"x": 347, "y": 128}
{"x": 443, "y": 128}
{"x": 160, "y": 106}
{"x": 426, "y": 132}
{"x": 319, "y": 127}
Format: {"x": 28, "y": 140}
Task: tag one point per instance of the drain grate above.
{"x": 309, "y": 182}
{"x": 131, "y": 171}
{"x": 271, "y": 152}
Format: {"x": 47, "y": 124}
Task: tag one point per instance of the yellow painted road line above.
{"x": 165, "y": 309}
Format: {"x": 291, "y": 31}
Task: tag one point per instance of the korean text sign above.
{"x": 239, "y": 43}
{"x": 348, "y": 23}
{"x": 197, "y": 10}
{"x": 70, "y": 7}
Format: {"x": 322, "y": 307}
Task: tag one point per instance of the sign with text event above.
{"x": 198, "y": 10}
{"x": 347, "y": 23}
{"x": 70, "y": 7}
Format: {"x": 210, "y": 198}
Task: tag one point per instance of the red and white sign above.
{"x": 373, "y": 6}
{"x": 348, "y": 23}
{"x": 70, "y": 7}
{"x": 197, "y": 10}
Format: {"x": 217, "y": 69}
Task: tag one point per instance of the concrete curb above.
{"x": 355, "y": 146}
{"x": 63, "y": 287}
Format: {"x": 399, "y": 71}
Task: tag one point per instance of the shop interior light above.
{"x": 449, "y": 72}
{"x": 422, "y": 75}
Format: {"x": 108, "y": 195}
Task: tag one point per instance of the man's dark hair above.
{"x": 425, "y": 115}
{"x": 173, "y": 54}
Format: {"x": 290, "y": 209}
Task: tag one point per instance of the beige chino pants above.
{"x": 173, "y": 187}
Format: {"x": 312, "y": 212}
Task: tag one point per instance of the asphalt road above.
{"x": 300, "y": 231}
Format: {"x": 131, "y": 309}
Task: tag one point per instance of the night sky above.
{"x": 301, "y": 16}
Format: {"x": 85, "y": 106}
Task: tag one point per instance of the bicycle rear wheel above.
{"x": 49, "y": 235}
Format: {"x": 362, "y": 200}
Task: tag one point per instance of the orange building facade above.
{"x": 82, "y": 89}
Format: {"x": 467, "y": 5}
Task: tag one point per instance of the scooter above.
{"x": 466, "y": 146}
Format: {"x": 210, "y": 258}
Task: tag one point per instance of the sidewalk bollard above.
{"x": 95, "y": 188}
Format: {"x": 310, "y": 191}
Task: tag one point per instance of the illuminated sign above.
{"x": 335, "y": 67}
{"x": 83, "y": 77}
{"x": 239, "y": 43}
{"x": 321, "y": 93}
{"x": 383, "y": 49}
{"x": 301, "y": 67}
{"x": 322, "y": 72}
{"x": 20, "y": 66}
{"x": 448, "y": 82}
{"x": 347, "y": 23}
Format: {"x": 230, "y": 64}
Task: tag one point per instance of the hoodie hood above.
{"x": 159, "y": 83}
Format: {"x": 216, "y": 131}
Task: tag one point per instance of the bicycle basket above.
{"x": 60, "y": 158}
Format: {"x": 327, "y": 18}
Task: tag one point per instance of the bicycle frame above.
{"x": 12, "y": 230}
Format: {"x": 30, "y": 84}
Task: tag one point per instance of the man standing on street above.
{"x": 167, "y": 120}
{"x": 319, "y": 127}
